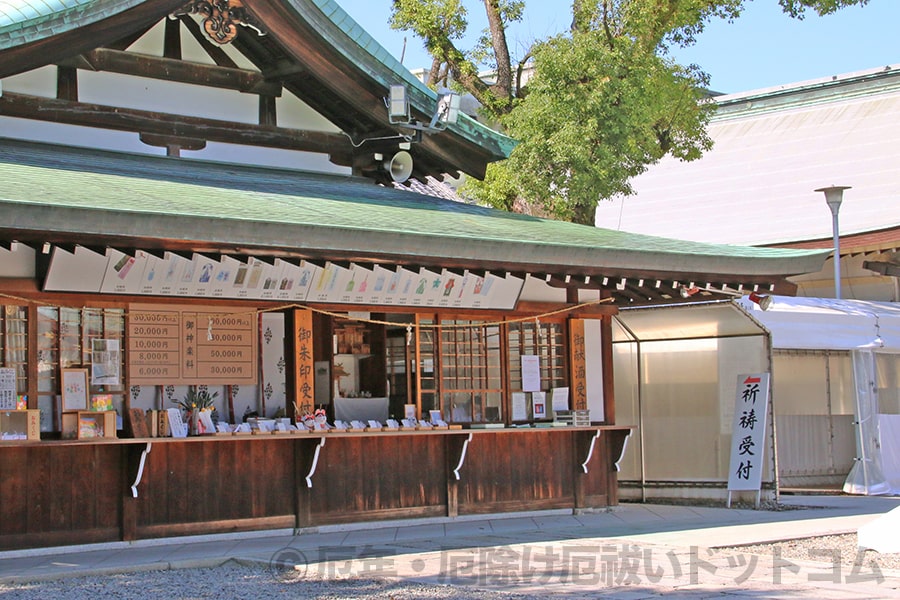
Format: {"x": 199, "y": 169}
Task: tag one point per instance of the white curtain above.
{"x": 867, "y": 477}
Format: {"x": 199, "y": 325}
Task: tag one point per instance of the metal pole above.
{"x": 833, "y": 196}
{"x": 837, "y": 251}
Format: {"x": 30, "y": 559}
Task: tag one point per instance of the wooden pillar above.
{"x": 67, "y": 83}
{"x": 172, "y": 39}
{"x": 302, "y": 492}
{"x": 31, "y": 356}
{"x": 454, "y": 447}
{"x": 578, "y": 474}
{"x": 131, "y": 459}
{"x": 609, "y": 388}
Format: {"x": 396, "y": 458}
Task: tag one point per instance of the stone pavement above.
{"x": 633, "y": 551}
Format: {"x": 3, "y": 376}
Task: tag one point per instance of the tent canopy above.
{"x": 690, "y": 321}
{"x": 828, "y": 324}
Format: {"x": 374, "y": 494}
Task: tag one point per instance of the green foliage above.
{"x": 604, "y": 101}
{"x": 797, "y": 8}
{"x": 596, "y": 114}
{"x": 197, "y": 398}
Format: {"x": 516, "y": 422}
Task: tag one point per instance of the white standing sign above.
{"x": 748, "y": 434}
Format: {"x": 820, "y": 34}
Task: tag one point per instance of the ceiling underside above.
{"x": 302, "y": 52}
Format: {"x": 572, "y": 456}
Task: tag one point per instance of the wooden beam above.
{"x": 167, "y": 124}
{"x": 171, "y": 69}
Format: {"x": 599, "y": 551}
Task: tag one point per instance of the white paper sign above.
{"x": 105, "y": 362}
{"x": 748, "y": 432}
{"x": 7, "y": 389}
{"x": 560, "y": 398}
{"x": 531, "y": 373}
{"x": 519, "y": 407}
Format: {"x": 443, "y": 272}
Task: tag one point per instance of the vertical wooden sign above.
{"x": 304, "y": 392}
{"x": 577, "y": 365}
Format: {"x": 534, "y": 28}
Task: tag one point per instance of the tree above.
{"x": 797, "y": 8}
{"x": 603, "y": 102}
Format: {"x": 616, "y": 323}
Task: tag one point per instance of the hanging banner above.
{"x": 274, "y": 365}
{"x": 748, "y": 432}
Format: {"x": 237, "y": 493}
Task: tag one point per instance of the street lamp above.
{"x": 833, "y": 197}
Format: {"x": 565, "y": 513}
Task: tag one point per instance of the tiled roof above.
{"x": 772, "y": 149}
{"x": 62, "y": 189}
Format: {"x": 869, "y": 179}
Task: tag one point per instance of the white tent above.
{"x": 829, "y": 324}
{"x": 870, "y": 331}
{"x": 833, "y": 362}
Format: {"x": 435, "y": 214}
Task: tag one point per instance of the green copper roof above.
{"x": 420, "y": 94}
{"x": 23, "y": 21}
{"x": 64, "y": 190}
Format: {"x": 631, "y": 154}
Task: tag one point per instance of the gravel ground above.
{"x": 831, "y": 549}
{"x": 234, "y": 581}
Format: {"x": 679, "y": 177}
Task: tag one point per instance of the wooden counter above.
{"x": 74, "y": 492}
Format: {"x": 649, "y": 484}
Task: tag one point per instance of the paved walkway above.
{"x": 632, "y": 551}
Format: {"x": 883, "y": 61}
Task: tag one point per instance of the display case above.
{"x": 20, "y": 425}
{"x": 88, "y": 424}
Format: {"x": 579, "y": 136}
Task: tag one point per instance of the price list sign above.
{"x": 190, "y": 345}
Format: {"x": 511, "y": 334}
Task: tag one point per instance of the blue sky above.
{"x": 763, "y": 48}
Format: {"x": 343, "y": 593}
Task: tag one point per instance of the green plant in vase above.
{"x": 194, "y": 402}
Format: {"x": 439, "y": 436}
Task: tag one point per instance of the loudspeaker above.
{"x": 400, "y": 166}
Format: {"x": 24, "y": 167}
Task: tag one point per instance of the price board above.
{"x": 189, "y": 345}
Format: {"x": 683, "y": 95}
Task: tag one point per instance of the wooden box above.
{"x": 88, "y": 424}
{"x": 20, "y": 425}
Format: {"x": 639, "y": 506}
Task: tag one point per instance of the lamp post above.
{"x": 833, "y": 196}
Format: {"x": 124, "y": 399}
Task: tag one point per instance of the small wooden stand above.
{"x": 86, "y": 424}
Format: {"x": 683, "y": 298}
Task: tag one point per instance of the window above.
{"x": 544, "y": 340}
{"x": 426, "y": 361}
{"x": 14, "y": 343}
{"x": 463, "y": 365}
{"x": 64, "y": 341}
{"x": 461, "y": 361}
